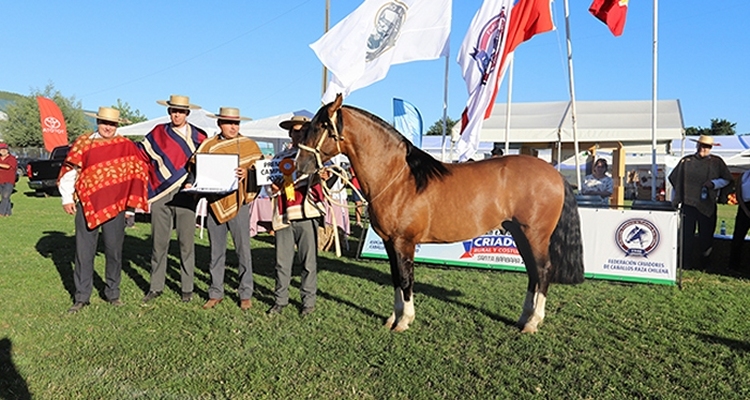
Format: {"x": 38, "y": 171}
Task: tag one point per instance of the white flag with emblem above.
{"x": 360, "y": 49}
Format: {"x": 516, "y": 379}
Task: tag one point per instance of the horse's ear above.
{"x": 335, "y": 106}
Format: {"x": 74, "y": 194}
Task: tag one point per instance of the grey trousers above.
{"x": 178, "y": 209}
{"x": 239, "y": 227}
{"x": 6, "y": 189}
{"x": 304, "y": 234}
{"x": 113, "y": 233}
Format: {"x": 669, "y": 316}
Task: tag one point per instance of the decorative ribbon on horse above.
{"x": 286, "y": 167}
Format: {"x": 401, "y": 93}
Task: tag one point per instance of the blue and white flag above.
{"x": 361, "y": 48}
{"x": 408, "y": 121}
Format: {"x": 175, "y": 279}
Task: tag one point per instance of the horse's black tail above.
{"x": 565, "y": 245}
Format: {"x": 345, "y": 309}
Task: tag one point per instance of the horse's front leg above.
{"x": 401, "y": 257}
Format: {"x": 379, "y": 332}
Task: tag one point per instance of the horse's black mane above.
{"x": 423, "y": 167}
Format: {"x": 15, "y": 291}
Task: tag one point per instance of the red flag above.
{"x": 54, "y": 131}
{"x": 612, "y": 13}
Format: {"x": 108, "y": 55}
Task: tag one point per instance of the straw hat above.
{"x": 106, "y": 114}
{"x": 229, "y": 114}
{"x": 706, "y": 140}
{"x": 295, "y": 120}
{"x": 177, "y": 101}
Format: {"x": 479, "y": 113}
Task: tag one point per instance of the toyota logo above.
{"x": 52, "y": 123}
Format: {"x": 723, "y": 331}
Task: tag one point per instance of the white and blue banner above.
{"x": 622, "y": 245}
{"x": 408, "y": 121}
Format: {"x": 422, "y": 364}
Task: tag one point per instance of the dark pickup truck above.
{"x": 43, "y": 173}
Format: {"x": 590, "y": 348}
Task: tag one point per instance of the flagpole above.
{"x": 571, "y": 83}
{"x": 655, "y": 54}
{"x": 325, "y": 70}
{"x": 445, "y": 107}
{"x": 507, "y": 103}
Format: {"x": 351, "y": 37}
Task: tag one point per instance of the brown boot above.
{"x": 246, "y": 304}
{"x": 211, "y": 303}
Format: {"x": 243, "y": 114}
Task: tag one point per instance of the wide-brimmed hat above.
{"x": 706, "y": 140}
{"x": 229, "y": 114}
{"x": 177, "y": 101}
{"x": 4, "y": 145}
{"x": 106, "y": 114}
{"x": 295, "y": 120}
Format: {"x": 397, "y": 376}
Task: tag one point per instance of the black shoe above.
{"x": 307, "y": 311}
{"x": 77, "y": 307}
{"x": 186, "y": 297}
{"x": 275, "y": 310}
{"x": 150, "y": 296}
{"x": 116, "y": 302}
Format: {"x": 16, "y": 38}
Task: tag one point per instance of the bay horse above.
{"x": 413, "y": 198}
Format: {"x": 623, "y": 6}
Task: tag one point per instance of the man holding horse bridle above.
{"x": 297, "y": 208}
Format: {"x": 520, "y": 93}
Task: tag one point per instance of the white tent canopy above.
{"x": 262, "y": 130}
{"x": 598, "y": 121}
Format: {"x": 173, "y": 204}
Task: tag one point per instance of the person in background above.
{"x": 497, "y": 150}
{"x": 298, "y": 206}
{"x": 598, "y": 183}
{"x": 101, "y": 177}
{"x": 167, "y": 149}
{"x": 696, "y": 180}
{"x": 741, "y": 221}
{"x": 8, "y": 166}
{"x": 231, "y": 211}
{"x": 356, "y": 198}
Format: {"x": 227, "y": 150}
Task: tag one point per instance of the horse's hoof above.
{"x": 400, "y": 327}
{"x": 528, "y": 328}
{"x": 390, "y": 322}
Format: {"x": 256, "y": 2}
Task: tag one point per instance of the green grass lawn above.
{"x": 600, "y": 340}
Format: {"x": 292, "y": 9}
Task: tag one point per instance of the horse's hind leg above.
{"x": 534, "y": 304}
{"x": 402, "y": 272}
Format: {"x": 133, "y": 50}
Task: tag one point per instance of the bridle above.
{"x": 329, "y": 129}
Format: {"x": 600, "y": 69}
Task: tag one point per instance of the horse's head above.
{"x": 322, "y": 140}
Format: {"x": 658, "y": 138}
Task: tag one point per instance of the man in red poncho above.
{"x": 101, "y": 177}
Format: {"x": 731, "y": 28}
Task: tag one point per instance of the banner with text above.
{"x": 623, "y": 245}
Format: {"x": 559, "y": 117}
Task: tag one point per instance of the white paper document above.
{"x": 214, "y": 173}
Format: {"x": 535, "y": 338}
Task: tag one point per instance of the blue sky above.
{"x": 254, "y": 55}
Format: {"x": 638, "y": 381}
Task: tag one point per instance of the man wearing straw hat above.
{"x": 297, "y": 208}
{"x": 102, "y": 176}
{"x": 696, "y": 181}
{"x": 231, "y": 212}
{"x": 168, "y": 148}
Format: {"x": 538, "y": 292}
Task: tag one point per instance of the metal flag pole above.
{"x": 445, "y": 108}
{"x": 507, "y": 103}
{"x": 571, "y": 83}
{"x": 655, "y": 53}
{"x": 325, "y": 70}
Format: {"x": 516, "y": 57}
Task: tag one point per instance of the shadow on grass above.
{"x": 343, "y": 267}
{"x": 12, "y": 384}
{"x": 735, "y": 345}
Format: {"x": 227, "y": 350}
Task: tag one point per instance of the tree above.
{"x": 127, "y": 114}
{"x": 719, "y": 127}
{"x": 23, "y": 128}
{"x": 437, "y": 128}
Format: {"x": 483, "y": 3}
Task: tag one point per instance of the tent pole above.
{"x": 325, "y": 70}
{"x": 571, "y": 84}
{"x": 655, "y": 55}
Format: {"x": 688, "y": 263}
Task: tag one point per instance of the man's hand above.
{"x": 241, "y": 173}
{"x": 709, "y": 184}
{"x": 70, "y": 208}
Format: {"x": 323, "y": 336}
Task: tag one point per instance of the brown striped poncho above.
{"x": 226, "y": 207}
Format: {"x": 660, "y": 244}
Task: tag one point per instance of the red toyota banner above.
{"x": 54, "y": 131}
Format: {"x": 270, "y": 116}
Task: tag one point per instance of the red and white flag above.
{"x": 612, "y": 13}
{"x": 361, "y": 48}
{"x": 495, "y": 32}
{"x": 54, "y": 131}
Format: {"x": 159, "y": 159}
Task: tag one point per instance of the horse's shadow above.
{"x": 12, "y": 384}
{"x": 340, "y": 266}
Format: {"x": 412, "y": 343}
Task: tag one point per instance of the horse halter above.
{"x": 335, "y": 135}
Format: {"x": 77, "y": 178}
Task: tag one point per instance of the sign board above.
{"x": 623, "y": 245}
{"x": 266, "y": 171}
